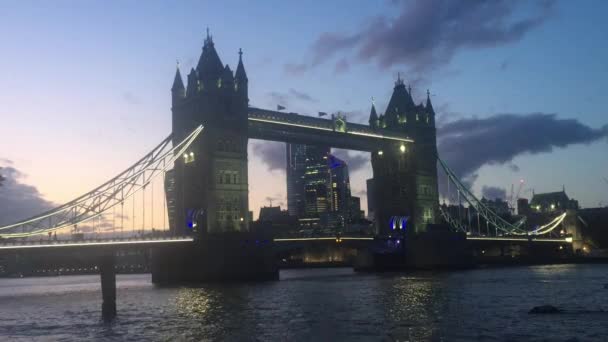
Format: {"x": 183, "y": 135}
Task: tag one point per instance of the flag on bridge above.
{"x": 279, "y": 107}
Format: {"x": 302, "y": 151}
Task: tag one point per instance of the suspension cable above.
{"x": 98, "y": 201}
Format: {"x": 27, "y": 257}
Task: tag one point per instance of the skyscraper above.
{"x": 316, "y": 180}
{"x": 296, "y": 164}
{"x": 318, "y": 186}
{"x": 307, "y": 180}
{"x": 339, "y": 189}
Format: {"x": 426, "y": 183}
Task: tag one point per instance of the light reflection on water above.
{"x": 318, "y": 304}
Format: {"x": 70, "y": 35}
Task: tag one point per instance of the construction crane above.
{"x": 513, "y": 197}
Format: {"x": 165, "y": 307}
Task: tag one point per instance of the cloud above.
{"x": 286, "y": 99}
{"x": 355, "y": 160}
{"x": 17, "y": 200}
{"x": 468, "y": 144}
{"x": 278, "y": 98}
{"x": 360, "y": 193}
{"x": 426, "y": 34}
{"x": 301, "y": 95}
{"x": 295, "y": 68}
{"x": 513, "y": 167}
{"x": 493, "y": 192}
{"x": 504, "y": 65}
{"x": 131, "y": 98}
{"x": 271, "y": 153}
{"x": 342, "y": 66}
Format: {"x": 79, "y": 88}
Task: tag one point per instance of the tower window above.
{"x": 227, "y": 178}
{"x": 219, "y": 82}
{"x": 188, "y": 157}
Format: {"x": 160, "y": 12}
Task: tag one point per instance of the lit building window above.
{"x": 427, "y": 215}
{"x": 188, "y": 157}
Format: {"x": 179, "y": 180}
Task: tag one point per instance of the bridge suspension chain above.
{"x": 491, "y": 218}
{"x": 103, "y": 198}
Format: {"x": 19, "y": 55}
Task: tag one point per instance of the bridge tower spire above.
{"x": 373, "y": 116}
{"x": 178, "y": 92}
{"x": 241, "y": 81}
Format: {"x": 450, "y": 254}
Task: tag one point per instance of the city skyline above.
{"x": 125, "y": 95}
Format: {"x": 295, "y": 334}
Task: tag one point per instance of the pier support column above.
{"x": 108, "y": 286}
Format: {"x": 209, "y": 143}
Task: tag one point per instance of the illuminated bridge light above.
{"x": 99, "y": 243}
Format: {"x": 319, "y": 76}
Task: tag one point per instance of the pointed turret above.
{"x": 241, "y": 81}
{"x": 227, "y": 79}
{"x": 429, "y": 106}
{"x": 241, "y": 75}
{"x": 178, "y": 91}
{"x": 193, "y": 83}
{"x": 399, "y": 106}
{"x": 373, "y": 116}
{"x": 209, "y": 66}
{"x": 429, "y": 109}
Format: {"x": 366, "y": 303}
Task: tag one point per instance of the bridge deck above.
{"x": 295, "y": 128}
{"x": 18, "y": 245}
{"x": 37, "y": 244}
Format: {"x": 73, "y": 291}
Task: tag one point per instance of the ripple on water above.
{"x": 319, "y": 304}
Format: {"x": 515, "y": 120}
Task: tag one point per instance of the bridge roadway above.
{"x": 295, "y": 128}
{"x": 12, "y": 245}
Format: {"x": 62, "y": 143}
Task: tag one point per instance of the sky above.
{"x": 518, "y": 86}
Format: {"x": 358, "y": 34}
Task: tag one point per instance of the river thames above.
{"x": 319, "y": 305}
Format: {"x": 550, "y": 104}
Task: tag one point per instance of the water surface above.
{"x": 319, "y": 305}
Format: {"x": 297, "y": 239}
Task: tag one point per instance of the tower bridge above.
{"x": 207, "y": 183}
{"x": 211, "y": 186}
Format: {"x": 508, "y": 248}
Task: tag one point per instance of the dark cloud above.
{"x": 295, "y": 68}
{"x": 271, "y": 153}
{"x": 278, "y": 98}
{"x": 301, "y": 95}
{"x": 504, "y": 65}
{"x": 285, "y": 99}
{"x": 468, "y": 144}
{"x": 428, "y": 33}
{"x": 342, "y": 66}
{"x": 514, "y": 167}
{"x": 493, "y": 192}
{"x": 355, "y": 160}
{"x": 17, "y": 200}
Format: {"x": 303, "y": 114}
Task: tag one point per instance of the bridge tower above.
{"x": 211, "y": 183}
{"x": 405, "y": 177}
